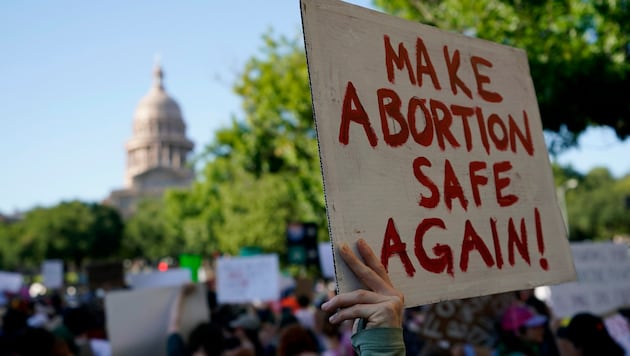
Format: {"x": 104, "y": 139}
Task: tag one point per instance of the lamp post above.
{"x": 561, "y": 192}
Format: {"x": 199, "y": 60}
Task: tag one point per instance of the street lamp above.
{"x": 561, "y": 192}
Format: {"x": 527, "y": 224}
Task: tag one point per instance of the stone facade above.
{"x": 157, "y": 151}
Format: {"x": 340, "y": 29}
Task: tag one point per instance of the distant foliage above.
{"x": 73, "y": 231}
{"x": 597, "y": 207}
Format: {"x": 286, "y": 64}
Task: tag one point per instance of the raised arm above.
{"x": 379, "y": 307}
{"x": 175, "y": 318}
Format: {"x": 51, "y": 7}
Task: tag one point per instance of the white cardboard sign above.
{"x": 248, "y": 279}
{"x": 603, "y": 281}
{"x": 172, "y": 277}
{"x": 326, "y": 262}
{"x": 619, "y": 330}
{"x": 52, "y": 272}
{"x": 432, "y": 150}
{"x": 137, "y": 320}
{"x": 10, "y": 282}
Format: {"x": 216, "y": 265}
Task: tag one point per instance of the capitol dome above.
{"x": 157, "y": 113}
{"x": 159, "y": 135}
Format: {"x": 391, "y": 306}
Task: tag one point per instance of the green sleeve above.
{"x": 379, "y": 341}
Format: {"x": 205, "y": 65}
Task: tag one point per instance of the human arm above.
{"x": 175, "y": 318}
{"x": 379, "y": 306}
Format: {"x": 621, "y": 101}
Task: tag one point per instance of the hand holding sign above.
{"x": 381, "y": 305}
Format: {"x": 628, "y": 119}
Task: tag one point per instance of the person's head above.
{"x": 588, "y": 334}
{"x": 245, "y": 322}
{"x": 246, "y": 327}
{"x": 206, "y": 339}
{"x": 304, "y": 301}
{"x": 522, "y": 322}
{"x": 297, "y": 340}
{"x": 524, "y": 294}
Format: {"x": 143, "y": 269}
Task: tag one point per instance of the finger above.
{"x": 385, "y": 314}
{"x": 365, "y": 274}
{"x": 372, "y": 261}
{"x": 357, "y": 311}
{"x": 360, "y": 296}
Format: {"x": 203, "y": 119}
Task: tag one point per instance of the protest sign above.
{"x": 172, "y": 277}
{"x": 603, "y": 281}
{"x": 326, "y": 262}
{"x": 432, "y": 150}
{"x": 10, "y": 282}
{"x": 52, "y": 273}
{"x": 137, "y": 320}
{"x": 248, "y": 279}
{"x": 619, "y": 330}
{"x": 461, "y": 321}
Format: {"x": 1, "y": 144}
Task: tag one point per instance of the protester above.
{"x": 246, "y": 328}
{"x": 378, "y": 308}
{"x": 305, "y": 314}
{"x": 206, "y": 339}
{"x": 334, "y": 339}
{"x": 522, "y": 332}
{"x": 296, "y": 340}
{"x": 26, "y": 329}
{"x": 587, "y": 336}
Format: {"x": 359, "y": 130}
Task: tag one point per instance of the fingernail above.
{"x": 325, "y": 305}
{"x": 345, "y": 247}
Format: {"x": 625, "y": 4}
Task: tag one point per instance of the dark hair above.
{"x": 208, "y": 336}
{"x": 295, "y": 339}
{"x": 79, "y": 320}
{"x": 588, "y": 333}
{"x": 35, "y": 341}
{"x": 304, "y": 301}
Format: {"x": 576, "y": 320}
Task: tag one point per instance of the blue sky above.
{"x": 72, "y": 73}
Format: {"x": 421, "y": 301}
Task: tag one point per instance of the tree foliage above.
{"x": 579, "y": 52}
{"x": 262, "y": 171}
{"x": 597, "y": 207}
{"x": 145, "y": 233}
{"x": 72, "y": 231}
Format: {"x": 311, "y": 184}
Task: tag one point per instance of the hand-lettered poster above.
{"x": 603, "y": 281}
{"x": 52, "y": 273}
{"x": 465, "y": 321}
{"x": 432, "y": 150}
{"x": 248, "y": 279}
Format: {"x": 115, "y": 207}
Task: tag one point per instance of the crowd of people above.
{"x": 370, "y": 321}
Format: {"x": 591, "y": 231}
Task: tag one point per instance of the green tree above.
{"x": 72, "y": 231}
{"x": 262, "y": 171}
{"x": 578, "y": 52}
{"x": 9, "y": 246}
{"x": 597, "y": 209}
{"x": 145, "y": 233}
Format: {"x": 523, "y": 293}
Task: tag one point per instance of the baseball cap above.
{"x": 518, "y": 316}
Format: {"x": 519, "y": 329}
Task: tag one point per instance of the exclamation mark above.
{"x": 539, "y": 238}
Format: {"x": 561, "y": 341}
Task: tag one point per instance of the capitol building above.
{"x": 157, "y": 151}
